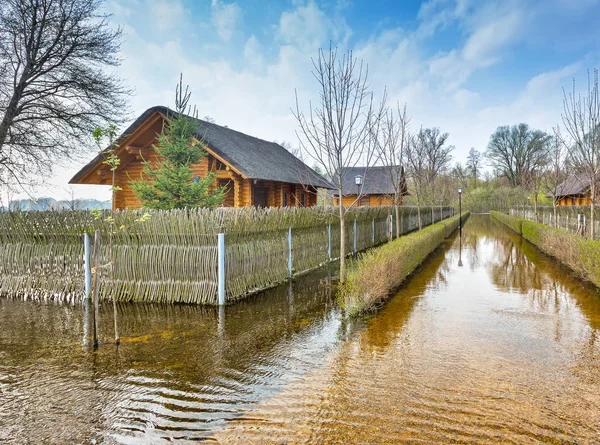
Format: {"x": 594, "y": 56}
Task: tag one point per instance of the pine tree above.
{"x": 171, "y": 184}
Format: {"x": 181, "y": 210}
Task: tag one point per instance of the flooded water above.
{"x": 489, "y": 342}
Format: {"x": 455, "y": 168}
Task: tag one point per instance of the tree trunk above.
{"x": 397, "y": 209}
{"x": 592, "y": 216}
{"x": 342, "y": 242}
{"x": 554, "y": 209}
{"x": 419, "y": 216}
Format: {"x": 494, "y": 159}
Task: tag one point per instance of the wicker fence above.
{"x": 173, "y": 256}
{"x": 574, "y": 219}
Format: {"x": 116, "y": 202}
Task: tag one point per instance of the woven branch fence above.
{"x": 567, "y": 218}
{"x": 172, "y": 256}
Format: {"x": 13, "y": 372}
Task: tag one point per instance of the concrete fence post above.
{"x": 290, "y": 252}
{"x": 329, "y": 241}
{"x": 355, "y": 237}
{"x": 221, "y": 268}
{"x": 87, "y": 254}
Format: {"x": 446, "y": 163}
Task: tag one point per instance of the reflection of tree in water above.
{"x": 551, "y": 288}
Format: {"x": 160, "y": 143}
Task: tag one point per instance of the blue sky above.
{"x": 466, "y": 66}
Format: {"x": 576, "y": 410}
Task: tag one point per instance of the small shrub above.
{"x": 513, "y": 222}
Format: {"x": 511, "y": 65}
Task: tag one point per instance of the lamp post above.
{"x": 441, "y": 209}
{"x": 460, "y": 211}
{"x": 358, "y": 180}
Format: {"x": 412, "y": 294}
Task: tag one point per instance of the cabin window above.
{"x": 363, "y": 201}
{"x": 286, "y": 199}
{"x": 220, "y": 165}
{"x": 302, "y": 199}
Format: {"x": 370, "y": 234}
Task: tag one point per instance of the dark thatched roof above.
{"x": 253, "y": 157}
{"x": 377, "y": 180}
{"x": 573, "y": 186}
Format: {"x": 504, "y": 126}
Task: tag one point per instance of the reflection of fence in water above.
{"x": 172, "y": 256}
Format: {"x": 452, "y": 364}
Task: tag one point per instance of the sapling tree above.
{"x": 581, "y": 118}
{"x": 170, "y": 183}
{"x": 556, "y": 172}
{"x": 339, "y": 132}
{"x": 391, "y": 146}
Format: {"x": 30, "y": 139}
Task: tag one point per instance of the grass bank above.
{"x": 580, "y": 254}
{"x": 380, "y": 271}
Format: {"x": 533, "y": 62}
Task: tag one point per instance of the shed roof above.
{"x": 377, "y": 180}
{"x": 574, "y": 185}
{"x": 253, "y": 157}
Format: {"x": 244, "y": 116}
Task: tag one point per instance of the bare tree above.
{"x": 54, "y": 84}
{"x": 581, "y": 117}
{"x": 391, "y": 146}
{"x": 72, "y": 203}
{"x": 516, "y": 152}
{"x": 555, "y": 173}
{"x": 474, "y": 163}
{"x": 416, "y": 160}
{"x": 338, "y": 132}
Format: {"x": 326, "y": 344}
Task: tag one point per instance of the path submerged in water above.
{"x": 489, "y": 341}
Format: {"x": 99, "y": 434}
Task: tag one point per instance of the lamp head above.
{"x": 460, "y": 190}
{"x": 358, "y": 180}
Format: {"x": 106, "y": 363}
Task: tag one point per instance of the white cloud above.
{"x": 308, "y": 27}
{"x": 253, "y": 52}
{"x": 167, "y": 14}
{"x": 225, "y": 17}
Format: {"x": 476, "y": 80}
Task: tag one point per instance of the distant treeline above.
{"x": 43, "y": 204}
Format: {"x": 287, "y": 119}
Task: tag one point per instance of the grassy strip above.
{"x": 513, "y": 222}
{"x": 580, "y": 254}
{"x": 380, "y": 271}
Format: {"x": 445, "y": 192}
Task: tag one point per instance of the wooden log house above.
{"x": 255, "y": 172}
{"x": 575, "y": 191}
{"x": 377, "y": 187}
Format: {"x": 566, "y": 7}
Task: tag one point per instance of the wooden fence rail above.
{"x": 174, "y": 256}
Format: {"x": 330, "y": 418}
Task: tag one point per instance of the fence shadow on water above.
{"x": 173, "y": 256}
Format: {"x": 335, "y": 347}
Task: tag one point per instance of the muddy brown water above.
{"x": 489, "y": 342}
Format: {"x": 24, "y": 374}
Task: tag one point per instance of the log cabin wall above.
{"x": 367, "y": 200}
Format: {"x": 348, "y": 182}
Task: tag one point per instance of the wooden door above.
{"x": 260, "y": 196}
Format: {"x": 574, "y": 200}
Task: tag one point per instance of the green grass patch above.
{"x": 380, "y": 271}
{"x": 513, "y": 222}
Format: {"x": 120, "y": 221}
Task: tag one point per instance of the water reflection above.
{"x": 480, "y": 356}
{"x": 502, "y": 349}
{"x": 180, "y": 372}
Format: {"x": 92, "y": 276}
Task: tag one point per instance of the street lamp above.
{"x": 460, "y": 211}
{"x": 358, "y": 180}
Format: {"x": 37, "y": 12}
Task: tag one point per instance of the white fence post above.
{"x": 290, "y": 252}
{"x": 373, "y": 232}
{"x": 87, "y": 252}
{"x": 355, "y": 237}
{"x": 221, "y": 267}
{"x": 329, "y": 241}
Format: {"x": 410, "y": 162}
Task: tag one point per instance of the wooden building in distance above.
{"x": 255, "y": 172}
{"x": 377, "y": 187}
{"x": 574, "y": 191}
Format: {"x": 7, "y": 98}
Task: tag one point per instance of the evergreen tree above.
{"x": 171, "y": 184}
